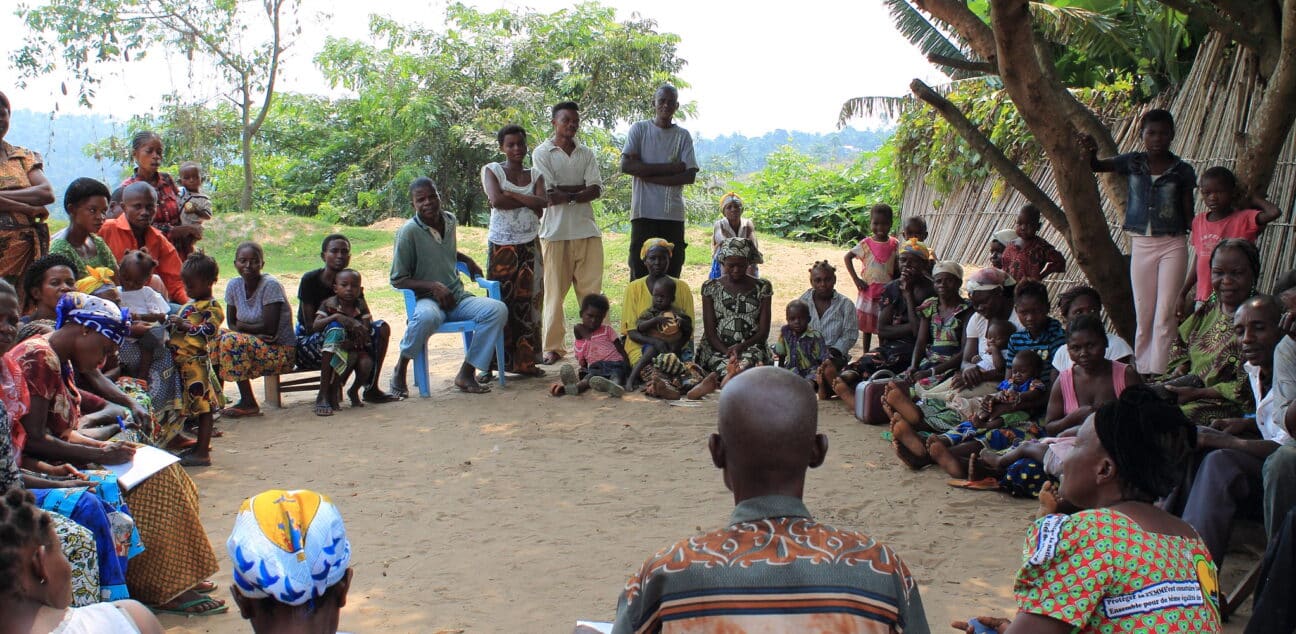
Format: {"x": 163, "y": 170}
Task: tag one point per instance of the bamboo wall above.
{"x": 1214, "y": 104}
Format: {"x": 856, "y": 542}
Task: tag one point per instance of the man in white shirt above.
{"x": 1280, "y": 467}
{"x": 1230, "y": 476}
{"x": 659, "y": 155}
{"x": 571, "y": 244}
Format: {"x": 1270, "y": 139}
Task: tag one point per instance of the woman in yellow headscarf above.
{"x": 656, "y": 255}
{"x": 731, "y": 224}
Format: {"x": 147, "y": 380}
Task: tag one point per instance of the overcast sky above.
{"x": 752, "y": 69}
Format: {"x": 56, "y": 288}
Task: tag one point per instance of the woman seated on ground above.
{"x": 897, "y": 319}
{"x": 43, "y": 284}
{"x": 171, "y": 573}
{"x": 86, "y": 202}
{"x": 1127, "y": 455}
{"x": 37, "y": 580}
{"x": 99, "y": 570}
{"x": 1040, "y": 335}
{"x": 260, "y": 339}
{"x": 1090, "y": 382}
{"x": 735, "y": 315}
{"x": 949, "y": 403}
{"x": 1206, "y": 374}
{"x": 1084, "y": 300}
{"x": 943, "y": 321}
{"x": 656, "y": 254}
{"x": 831, "y": 314}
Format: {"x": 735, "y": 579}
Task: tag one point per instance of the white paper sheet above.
{"x": 148, "y": 461}
{"x": 597, "y": 626}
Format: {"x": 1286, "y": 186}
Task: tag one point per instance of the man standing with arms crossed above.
{"x": 659, "y": 155}
{"x": 571, "y": 244}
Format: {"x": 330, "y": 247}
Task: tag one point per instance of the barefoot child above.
{"x": 800, "y": 349}
{"x": 663, "y": 328}
{"x": 1003, "y": 421}
{"x": 1030, "y": 257}
{"x": 193, "y": 330}
{"x": 878, "y": 256}
{"x": 346, "y": 323}
{"x": 1222, "y": 220}
{"x": 604, "y": 364}
{"x": 148, "y": 309}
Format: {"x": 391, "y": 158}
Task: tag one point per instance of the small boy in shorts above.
{"x": 604, "y": 364}
{"x": 346, "y": 323}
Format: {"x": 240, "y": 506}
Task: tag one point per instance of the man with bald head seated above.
{"x": 774, "y": 568}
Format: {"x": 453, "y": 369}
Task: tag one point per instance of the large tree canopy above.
{"x": 85, "y": 35}
{"x": 1040, "y": 52}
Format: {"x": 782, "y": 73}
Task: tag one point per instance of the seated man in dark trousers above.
{"x": 425, "y": 262}
{"x": 773, "y": 569}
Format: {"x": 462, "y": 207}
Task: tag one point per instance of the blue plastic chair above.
{"x": 466, "y": 327}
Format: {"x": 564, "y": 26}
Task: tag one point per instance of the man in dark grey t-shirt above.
{"x": 659, "y": 155}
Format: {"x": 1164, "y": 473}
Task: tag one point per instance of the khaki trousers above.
{"x": 568, "y": 263}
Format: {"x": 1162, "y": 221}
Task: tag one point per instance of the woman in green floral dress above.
{"x": 735, "y": 313}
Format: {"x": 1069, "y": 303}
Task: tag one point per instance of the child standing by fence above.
{"x": 1222, "y": 220}
{"x": 878, "y": 255}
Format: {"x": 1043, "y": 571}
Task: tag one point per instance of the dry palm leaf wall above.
{"x": 1211, "y": 108}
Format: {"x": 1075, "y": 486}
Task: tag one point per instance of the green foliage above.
{"x": 797, "y": 198}
{"x": 428, "y": 102}
{"x": 86, "y": 34}
{"x": 926, "y": 143}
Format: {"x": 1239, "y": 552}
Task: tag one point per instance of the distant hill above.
{"x": 62, "y": 139}
{"x": 744, "y": 154}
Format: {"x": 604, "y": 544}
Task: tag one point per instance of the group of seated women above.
{"x": 996, "y": 390}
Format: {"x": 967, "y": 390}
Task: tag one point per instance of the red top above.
{"x": 120, "y": 238}
{"x": 1207, "y": 233}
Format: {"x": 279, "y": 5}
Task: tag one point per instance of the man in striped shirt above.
{"x": 773, "y": 569}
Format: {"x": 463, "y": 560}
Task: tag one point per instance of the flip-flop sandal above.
{"x": 241, "y": 412}
{"x": 570, "y": 380}
{"x": 485, "y": 377}
{"x": 183, "y": 608}
{"x": 323, "y": 410}
{"x": 984, "y": 484}
{"x": 602, "y": 384}
{"x": 205, "y": 587}
{"x": 182, "y": 442}
{"x": 475, "y": 388}
{"x": 377, "y": 396}
{"x": 188, "y": 459}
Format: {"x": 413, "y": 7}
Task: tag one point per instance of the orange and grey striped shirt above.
{"x": 773, "y": 569}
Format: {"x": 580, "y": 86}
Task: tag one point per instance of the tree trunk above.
{"x": 1039, "y": 101}
{"x": 1007, "y": 169}
{"x": 245, "y": 136}
{"x": 1258, "y": 155}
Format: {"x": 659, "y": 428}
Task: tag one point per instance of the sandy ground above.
{"x": 519, "y": 512}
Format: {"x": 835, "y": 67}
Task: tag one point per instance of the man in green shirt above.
{"x": 425, "y": 261}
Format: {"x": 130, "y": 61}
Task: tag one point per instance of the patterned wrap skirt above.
{"x": 517, "y": 267}
{"x": 243, "y": 357}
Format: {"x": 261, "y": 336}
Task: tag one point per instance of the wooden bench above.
{"x": 295, "y": 381}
